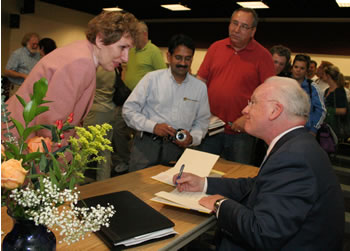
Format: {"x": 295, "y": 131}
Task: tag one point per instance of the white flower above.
{"x": 73, "y": 222}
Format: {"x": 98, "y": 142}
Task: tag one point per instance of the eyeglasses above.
{"x": 254, "y": 102}
{"x": 244, "y": 27}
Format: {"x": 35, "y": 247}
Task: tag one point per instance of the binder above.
{"x": 133, "y": 218}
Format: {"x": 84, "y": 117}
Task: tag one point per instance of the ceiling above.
{"x": 200, "y": 9}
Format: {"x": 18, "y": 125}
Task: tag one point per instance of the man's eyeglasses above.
{"x": 244, "y": 27}
{"x": 254, "y": 102}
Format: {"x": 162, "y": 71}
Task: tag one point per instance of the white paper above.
{"x": 146, "y": 237}
{"x": 196, "y": 162}
{"x": 188, "y": 200}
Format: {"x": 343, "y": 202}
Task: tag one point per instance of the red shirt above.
{"x": 232, "y": 76}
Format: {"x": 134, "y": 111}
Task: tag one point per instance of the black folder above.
{"x": 133, "y": 217}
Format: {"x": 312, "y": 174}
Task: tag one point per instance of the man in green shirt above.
{"x": 143, "y": 58}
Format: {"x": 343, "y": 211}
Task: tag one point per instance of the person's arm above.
{"x": 319, "y": 109}
{"x": 202, "y": 79}
{"x": 14, "y": 74}
{"x": 262, "y": 221}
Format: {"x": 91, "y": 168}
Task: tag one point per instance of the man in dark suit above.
{"x": 295, "y": 202}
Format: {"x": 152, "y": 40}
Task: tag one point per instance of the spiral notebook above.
{"x": 133, "y": 223}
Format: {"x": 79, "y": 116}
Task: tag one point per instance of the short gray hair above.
{"x": 295, "y": 100}
{"x": 251, "y": 11}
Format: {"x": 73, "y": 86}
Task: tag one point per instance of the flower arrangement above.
{"x": 38, "y": 183}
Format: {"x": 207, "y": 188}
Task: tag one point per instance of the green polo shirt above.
{"x": 140, "y": 62}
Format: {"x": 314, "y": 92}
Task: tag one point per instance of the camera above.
{"x": 180, "y": 135}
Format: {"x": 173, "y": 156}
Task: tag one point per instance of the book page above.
{"x": 196, "y": 162}
{"x": 188, "y": 200}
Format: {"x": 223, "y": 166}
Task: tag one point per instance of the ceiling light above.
{"x": 112, "y": 9}
{"x": 175, "y": 7}
{"x": 343, "y": 3}
{"x": 253, "y": 5}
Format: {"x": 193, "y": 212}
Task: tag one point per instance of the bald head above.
{"x": 276, "y": 106}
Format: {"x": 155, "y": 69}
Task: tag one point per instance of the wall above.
{"x": 322, "y": 41}
{"x": 61, "y": 24}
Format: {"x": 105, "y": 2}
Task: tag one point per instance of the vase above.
{"x": 26, "y": 236}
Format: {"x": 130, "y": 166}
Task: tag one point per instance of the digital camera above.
{"x": 180, "y": 135}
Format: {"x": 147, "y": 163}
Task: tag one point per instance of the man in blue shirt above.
{"x": 318, "y": 111}
{"x": 22, "y": 61}
{"x": 164, "y": 101}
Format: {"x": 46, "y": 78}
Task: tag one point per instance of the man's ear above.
{"x": 99, "y": 41}
{"x": 276, "y": 111}
{"x": 168, "y": 56}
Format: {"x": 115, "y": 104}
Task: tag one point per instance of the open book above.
{"x": 196, "y": 162}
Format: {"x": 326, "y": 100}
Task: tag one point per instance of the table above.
{"x": 189, "y": 224}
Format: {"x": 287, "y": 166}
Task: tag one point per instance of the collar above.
{"x": 29, "y": 52}
{"x": 274, "y": 141}
{"x": 250, "y": 46}
{"x": 144, "y": 48}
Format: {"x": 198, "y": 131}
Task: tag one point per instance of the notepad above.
{"x": 196, "y": 162}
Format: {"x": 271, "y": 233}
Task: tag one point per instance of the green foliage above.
{"x": 66, "y": 166}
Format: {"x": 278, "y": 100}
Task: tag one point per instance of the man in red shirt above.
{"x": 232, "y": 69}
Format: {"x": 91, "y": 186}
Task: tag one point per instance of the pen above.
{"x": 180, "y": 173}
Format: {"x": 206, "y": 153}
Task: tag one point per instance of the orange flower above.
{"x": 35, "y": 144}
{"x": 12, "y": 173}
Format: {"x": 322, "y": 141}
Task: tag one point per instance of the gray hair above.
{"x": 288, "y": 92}
{"x": 251, "y": 11}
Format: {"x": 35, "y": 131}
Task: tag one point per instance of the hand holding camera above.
{"x": 180, "y": 137}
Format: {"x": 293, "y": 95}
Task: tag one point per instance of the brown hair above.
{"x": 27, "y": 37}
{"x": 111, "y": 25}
{"x": 335, "y": 74}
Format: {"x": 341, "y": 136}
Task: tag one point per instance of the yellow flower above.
{"x": 35, "y": 143}
{"x": 12, "y": 173}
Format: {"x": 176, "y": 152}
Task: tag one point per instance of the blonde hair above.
{"x": 335, "y": 74}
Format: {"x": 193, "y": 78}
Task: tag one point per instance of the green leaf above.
{"x": 18, "y": 126}
{"x": 67, "y": 127}
{"x": 29, "y": 130}
{"x": 43, "y": 163}
{"x": 21, "y": 100}
{"x": 14, "y": 149}
{"x": 32, "y": 156}
{"x": 41, "y": 109}
{"x": 72, "y": 183}
{"x": 39, "y": 90}
{"x": 29, "y": 111}
{"x": 53, "y": 178}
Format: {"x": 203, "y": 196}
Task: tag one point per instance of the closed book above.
{"x": 133, "y": 218}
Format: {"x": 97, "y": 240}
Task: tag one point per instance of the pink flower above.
{"x": 12, "y": 173}
{"x": 35, "y": 144}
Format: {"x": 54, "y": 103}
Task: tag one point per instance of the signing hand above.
{"x": 189, "y": 182}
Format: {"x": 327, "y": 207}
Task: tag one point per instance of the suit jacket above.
{"x": 294, "y": 203}
{"x": 71, "y": 74}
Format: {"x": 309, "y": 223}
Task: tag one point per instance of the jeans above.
{"x": 234, "y": 147}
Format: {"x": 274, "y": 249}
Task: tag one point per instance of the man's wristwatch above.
{"x": 217, "y": 204}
